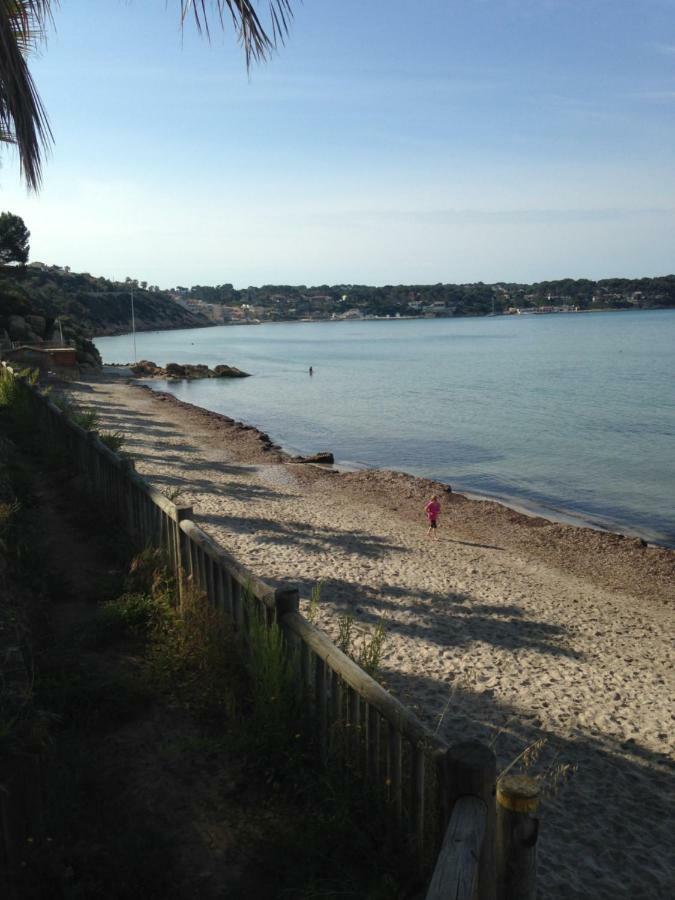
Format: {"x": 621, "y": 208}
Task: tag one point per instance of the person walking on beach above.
{"x": 432, "y": 509}
{"x": 311, "y": 370}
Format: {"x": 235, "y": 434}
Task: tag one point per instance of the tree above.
{"x": 13, "y": 239}
{"x": 23, "y": 120}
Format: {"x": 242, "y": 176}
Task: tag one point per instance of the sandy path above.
{"x": 508, "y": 629}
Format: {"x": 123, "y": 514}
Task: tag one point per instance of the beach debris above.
{"x": 148, "y": 369}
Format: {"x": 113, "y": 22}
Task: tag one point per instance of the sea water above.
{"x": 569, "y": 415}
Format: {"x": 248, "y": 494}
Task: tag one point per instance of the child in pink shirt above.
{"x": 432, "y": 509}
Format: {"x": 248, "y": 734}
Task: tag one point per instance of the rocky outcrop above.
{"x": 324, "y": 457}
{"x": 147, "y": 369}
{"x": 229, "y": 372}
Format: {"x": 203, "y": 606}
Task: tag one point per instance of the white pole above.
{"x": 60, "y": 331}
{"x": 133, "y": 324}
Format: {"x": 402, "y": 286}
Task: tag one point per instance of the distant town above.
{"x": 35, "y": 297}
{"x": 225, "y": 304}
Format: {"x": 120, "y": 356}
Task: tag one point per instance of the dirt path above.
{"x": 508, "y": 629}
{"x": 142, "y": 800}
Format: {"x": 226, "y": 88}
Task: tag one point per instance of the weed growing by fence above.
{"x": 552, "y": 779}
{"x": 345, "y": 632}
{"x": 88, "y": 419}
{"x": 275, "y": 699}
{"x": 193, "y": 647}
{"x": 113, "y": 440}
{"x": 368, "y": 653}
{"x": 314, "y": 600}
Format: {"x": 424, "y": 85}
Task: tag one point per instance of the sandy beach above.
{"x": 508, "y": 629}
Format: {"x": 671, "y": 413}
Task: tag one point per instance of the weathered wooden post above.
{"x": 286, "y": 600}
{"x": 456, "y": 876}
{"x": 470, "y": 770}
{"x": 126, "y": 500}
{"x": 517, "y": 832}
{"x": 88, "y": 457}
{"x": 182, "y": 513}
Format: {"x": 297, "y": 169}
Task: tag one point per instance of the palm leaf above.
{"x": 256, "y": 41}
{"x": 23, "y": 120}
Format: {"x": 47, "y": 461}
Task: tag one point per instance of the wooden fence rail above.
{"x": 437, "y": 796}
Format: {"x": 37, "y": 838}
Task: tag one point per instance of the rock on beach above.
{"x": 148, "y": 369}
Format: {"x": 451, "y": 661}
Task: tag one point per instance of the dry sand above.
{"x": 509, "y": 629}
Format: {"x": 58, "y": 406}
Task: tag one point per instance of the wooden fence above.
{"x": 440, "y": 799}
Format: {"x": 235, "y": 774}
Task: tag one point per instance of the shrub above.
{"x": 113, "y": 440}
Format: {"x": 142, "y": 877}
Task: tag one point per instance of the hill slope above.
{"x": 33, "y": 298}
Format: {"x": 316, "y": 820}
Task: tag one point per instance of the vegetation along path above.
{"x": 162, "y": 778}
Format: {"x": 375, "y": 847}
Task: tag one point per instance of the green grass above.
{"x": 130, "y": 616}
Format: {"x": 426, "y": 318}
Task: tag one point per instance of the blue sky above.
{"x": 387, "y": 142}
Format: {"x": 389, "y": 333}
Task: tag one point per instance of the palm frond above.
{"x": 258, "y": 43}
{"x": 23, "y": 120}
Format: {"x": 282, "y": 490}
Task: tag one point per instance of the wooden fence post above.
{"x": 517, "y": 832}
{"x": 456, "y": 876}
{"x": 90, "y": 464}
{"x": 126, "y": 501}
{"x": 182, "y": 513}
{"x": 470, "y": 770}
{"x": 286, "y": 600}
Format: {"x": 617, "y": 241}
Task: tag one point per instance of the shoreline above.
{"x": 509, "y": 629}
{"x": 531, "y": 311}
{"x": 515, "y": 504}
{"x": 599, "y": 540}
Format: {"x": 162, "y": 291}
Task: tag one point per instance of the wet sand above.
{"x": 508, "y": 629}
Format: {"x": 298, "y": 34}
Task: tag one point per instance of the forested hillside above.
{"x": 35, "y": 298}
{"x": 274, "y": 301}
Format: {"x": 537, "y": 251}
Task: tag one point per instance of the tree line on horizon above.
{"x": 297, "y": 301}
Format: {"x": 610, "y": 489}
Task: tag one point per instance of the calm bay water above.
{"x": 570, "y": 415}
